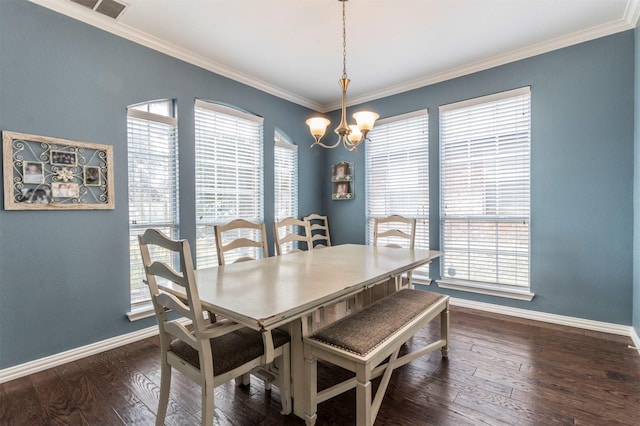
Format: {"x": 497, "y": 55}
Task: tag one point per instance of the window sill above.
{"x": 141, "y": 312}
{"x": 488, "y": 289}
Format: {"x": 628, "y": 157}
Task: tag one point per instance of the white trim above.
{"x": 626, "y": 23}
{"x": 405, "y": 116}
{"x": 82, "y": 14}
{"x": 51, "y": 361}
{"x": 604, "y": 327}
{"x": 488, "y": 289}
{"x": 286, "y": 145}
{"x": 223, "y": 109}
{"x": 149, "y": 116}
{"x": 635, "y": 339}
{"x": 140, "y": 312}
{"x": 493, "y": 97}
{"x": 55, "y": 360}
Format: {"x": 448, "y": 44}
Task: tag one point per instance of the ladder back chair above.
{"x": 212, "y": 353}
{"x": 246, "y": 241}
{"x": 319, "y": 230}
{"x": 393, "y": 231}
{"x": 287, "y": 235}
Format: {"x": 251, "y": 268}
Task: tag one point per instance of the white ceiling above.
{"x": 293, "y": 48}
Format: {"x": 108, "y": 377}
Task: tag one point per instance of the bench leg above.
{"x": 363, "y": 398}
{"x": 444, "y": 330}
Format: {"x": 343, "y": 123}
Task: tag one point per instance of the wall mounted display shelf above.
{"x": 342, "y": 180}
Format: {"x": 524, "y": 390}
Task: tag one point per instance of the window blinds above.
{"x": 397, "y": 172}
{"x": 285, "y": 178}
{"x": 153, "y": 185}
{"x": 229, "y": 172}
{"x": 485, "y": 189}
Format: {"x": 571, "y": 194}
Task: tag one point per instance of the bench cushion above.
{"x": 362, "y": 332}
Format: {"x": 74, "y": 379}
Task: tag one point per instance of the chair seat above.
{"x": 230, "y": 350}
{"x": 362, "y": 332}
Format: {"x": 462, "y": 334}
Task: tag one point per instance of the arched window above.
{"x": 285, "y": 177}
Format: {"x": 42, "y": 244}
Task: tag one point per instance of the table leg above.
{"x": 297, "y": 368}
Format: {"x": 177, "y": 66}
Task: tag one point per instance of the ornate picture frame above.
{"x": 45, "y": 173}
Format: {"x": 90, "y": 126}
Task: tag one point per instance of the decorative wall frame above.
{"x": 44, "y": 173}
{"x": 342, "y": 181}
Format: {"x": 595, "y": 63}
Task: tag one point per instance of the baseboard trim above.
{"x": 636, "y": 339}
{"x": 55, "y": 360}
{"x": 605, "y": 327}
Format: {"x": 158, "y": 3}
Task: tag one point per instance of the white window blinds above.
{"x": 397, "y": 173}
{"x": 285, "y": 178}
{"x": 153, "y": 181}
{"x": 229, "y": 172}
{"x": 485, "y": 189}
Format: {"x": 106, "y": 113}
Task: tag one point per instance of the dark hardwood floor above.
{"x": 501, "y": 371}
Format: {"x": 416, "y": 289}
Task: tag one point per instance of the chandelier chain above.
{"x": 344, "y": 40}
{"x": 349, "y": 135}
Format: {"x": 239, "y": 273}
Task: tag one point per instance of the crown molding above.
{"x": 627, "y": 22}
{"x": 75, "y": 11}
{"x": 89, "y": 17}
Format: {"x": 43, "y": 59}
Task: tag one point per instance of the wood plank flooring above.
{"x": 501, "y": 371}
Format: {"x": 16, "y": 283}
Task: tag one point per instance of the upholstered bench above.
{"x": 368, "y": 343}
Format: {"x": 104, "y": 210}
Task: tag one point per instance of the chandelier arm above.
{"x": 364, "y": 119}
{"x": 325, "y": 145}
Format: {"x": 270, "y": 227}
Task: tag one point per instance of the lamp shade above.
{"x": 317, "y": 126}
{"x": 365, "y": 120}
{"x": 356, "y": 135}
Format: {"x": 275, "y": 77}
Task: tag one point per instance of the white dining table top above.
{"x": 266, "y": 293}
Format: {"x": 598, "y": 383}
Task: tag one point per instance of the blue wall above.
{"x": 64, "y": 274}
{"x": 581, "y": 174}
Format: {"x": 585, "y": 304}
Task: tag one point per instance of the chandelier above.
{"x": 350, "y": 135}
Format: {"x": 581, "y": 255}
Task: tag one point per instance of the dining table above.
{"x": 280, "y": 291}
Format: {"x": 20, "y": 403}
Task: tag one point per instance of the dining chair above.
{"x": 288, "y": 236}
{"x": 210, "y": 354}
{"x": 240, "y": 240}
{"x": 393, "y": 231}
{"x": 319, "y": 230}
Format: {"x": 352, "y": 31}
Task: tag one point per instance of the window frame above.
{"x": 166, "y": 171}
{"x": 415, "y": 142}
{"x": 510, "y": 158}
{"x": 243, "y": 132}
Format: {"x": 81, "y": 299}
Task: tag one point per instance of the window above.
{"x": 485, "y": 195}
{"x": 152, "y": 143}
{"x": 229, "y": 173}
{"x": 397, "y": 174}
{"x": 285, "y": 180}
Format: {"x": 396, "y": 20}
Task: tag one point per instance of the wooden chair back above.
{"x": 238, "y": 350}
{"x": 396, "y": 231}
{"x": 319, "y": 226}
{"x": 241, "y": 240}
{"x": 289, "y": 232}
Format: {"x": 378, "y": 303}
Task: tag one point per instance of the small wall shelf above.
{"x": 342, "y": 176}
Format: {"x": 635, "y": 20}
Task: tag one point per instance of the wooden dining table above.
{"x": 279, "y": 291}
